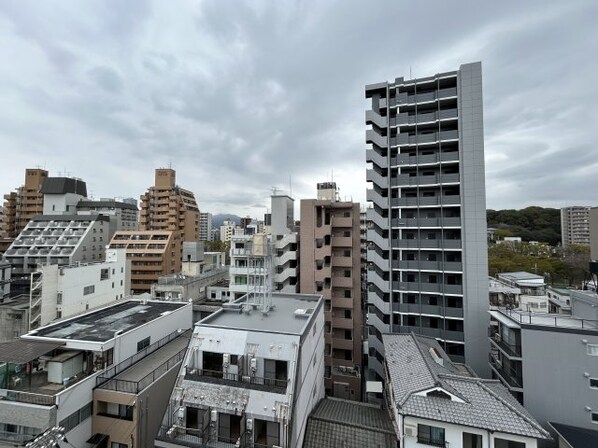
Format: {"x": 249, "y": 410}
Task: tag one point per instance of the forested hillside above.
{"x": 531, "y": 224}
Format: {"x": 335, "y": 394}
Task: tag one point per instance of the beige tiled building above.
{"x": 166, "y": 206}
{"x": 153, "y": 253}
{"x": 330, "y": 264}
{"x": 21, "y": 205}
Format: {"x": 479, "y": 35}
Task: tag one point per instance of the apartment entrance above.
{"x": 212, "y": 364}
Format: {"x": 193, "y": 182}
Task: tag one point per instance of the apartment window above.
{"x": 592, "y": 349}
{"x": 347, "y": 293}
{"x": 430, "y": 435}
{"x": 143, "y": 344}
{"x": 118, "y": 445}
{"x": 348, "y": 314}
{"x": 77, "y": 417}
{"x": 89, "y": 290}
{"x": 505, "y": 443}
{"x": 594, "y": 383}
{"x": 108, "y": 357}
{"x": 104, "y": 274}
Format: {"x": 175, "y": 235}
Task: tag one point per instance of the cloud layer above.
{"x": 241, "y": 97}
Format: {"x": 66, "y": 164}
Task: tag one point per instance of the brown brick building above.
{"x": 21, "y": 205}
{"x": 330, "y": 264}
{"x": 166, "y": 206}
{"x": 152, "y": 253}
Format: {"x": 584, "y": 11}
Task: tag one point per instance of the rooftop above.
{"x": 104, "y": 203}
{"x": 348, "y": 424}
{"x": 101, "y": 325}
{"x": 282, "y": 318}
{"x": 520, "y": 317}
{"x": 516, "y": 276}
{"x": 63, "y": 185}
{"x": 417, "y": 366}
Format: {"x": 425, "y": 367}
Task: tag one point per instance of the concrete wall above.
{"x": 594, "y": 233}
{"x": 473, "y": 217}
{"x": 283, "y": 215}
{"x": 555, "y": 387}
{"x": 309, "y": 387}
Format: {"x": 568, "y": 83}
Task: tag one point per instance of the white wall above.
{"x": 71, "y": 281}
{"x": 57, "y": 204}
{"x": 454, "y": 434}
{"x": 310, "y": 384}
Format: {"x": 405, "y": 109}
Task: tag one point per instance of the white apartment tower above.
{"x": 427, "y": 250}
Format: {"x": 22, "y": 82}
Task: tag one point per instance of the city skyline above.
{"x": 241, "y": 98}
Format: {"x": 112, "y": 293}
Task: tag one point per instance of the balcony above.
{"x": 428, "y": 287}
{"x": 425, "y": 244}
{"x": 404, "y": 180}
{"x": 507, "y": 374}
{"x": 427, "y": 222}
{"x": 508, "y": 348}
{"x": 428, "y": 159}
{"x": 417, "y": 265}
{"x": 422, "y": 139}
{"x": 277, "y": 386}
{"x": 372, "y": 136}
{"x": 426, "y": 200}
{"x": 433, "y": 310}
{"x": 342, "y": 241}
{"x": 405, "y": 99}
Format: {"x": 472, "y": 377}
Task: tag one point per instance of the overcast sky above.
{"x": 241, "y": 97}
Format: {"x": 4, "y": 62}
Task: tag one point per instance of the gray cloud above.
{"x": 240, "y": 96}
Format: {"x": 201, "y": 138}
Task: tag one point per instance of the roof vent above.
{"x": 436, "y": 356}
{"x": 300, "y": 312}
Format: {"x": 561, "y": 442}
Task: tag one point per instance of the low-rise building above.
{"x": 14, "y": 318}
{"x": 48, "y": 376}
{"x": 130, "y": 399}
{"x": 252, "y": 375}
{"x": 152, "y": 253}
{"x": 250, "y": 265}
{"x": 435, "y": 402}
{"x": 549, "y": 362}
{"x": 66, "y": 290}
{"x": 559, "y": 300}
{"x": 187, "y": 287}
{"x": 533, "y": 290}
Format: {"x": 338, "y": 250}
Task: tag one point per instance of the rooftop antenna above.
{"x": 410, "y": 75}
{"x": 169, "y": 164}
{"x": 290, "y": 187}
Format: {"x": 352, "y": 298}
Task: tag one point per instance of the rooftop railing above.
{"x": 548, "y": 320}
{"x": 237, "y": 380}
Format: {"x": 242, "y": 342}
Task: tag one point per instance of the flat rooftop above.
{"x": 101, "y": 325}
{"x": 542, "y": 319}
{"x": 520, "y": 276}
{"x": 280, "y": 319}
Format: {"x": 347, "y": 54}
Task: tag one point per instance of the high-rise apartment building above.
{"x": 205, "y": 227}
{"x": 427, "y": 254}
{"x": 166, "y": 206}
{"x": 575, "y": 225}
{"x": 330, "y": 264}
{"x": 21, "y": 205}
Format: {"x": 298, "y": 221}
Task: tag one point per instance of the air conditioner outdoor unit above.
{"x": 410, "y": 431}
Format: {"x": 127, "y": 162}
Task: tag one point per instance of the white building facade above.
{"x": 64, "y": 291}
{"x": 47, "y": 377}
{"x": 251, "y": 376}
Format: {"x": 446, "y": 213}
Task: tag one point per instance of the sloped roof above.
{"x": 338, "y": 423}
{"x": 481, "y": 403}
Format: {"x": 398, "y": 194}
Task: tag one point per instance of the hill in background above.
{"x": 531, "y": 223}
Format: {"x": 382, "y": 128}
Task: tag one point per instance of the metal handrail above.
{"x": 192, "y": 373}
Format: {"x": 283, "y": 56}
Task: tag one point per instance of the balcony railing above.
{"x": 134, "y": 387}
{"x": 120, "y": 367}
{"x": 508, "y": 373}
{"x": 27, "y": 397}
{"x": 278, "y": 386}
{"x": 426, "y": 440}
{"x": 509, "y": 348}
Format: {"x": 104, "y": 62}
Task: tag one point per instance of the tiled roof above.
{"x": 480, "y": 403}
{"x": 338, "y": 423}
